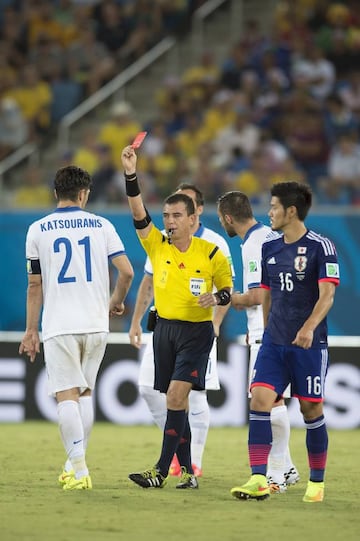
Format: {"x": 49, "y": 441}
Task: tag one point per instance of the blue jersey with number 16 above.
{"x": 292, "y": 272}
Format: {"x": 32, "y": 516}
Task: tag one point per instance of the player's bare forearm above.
{"x": 266, "y": 303}
{"x": 33, "y": 305}
{"x": 305, "y": 335}
{"x": 120, "y": 292}
{"x": 252, "y": 297}
{"x": 30, "y": 343}
{"x": 219, "y": 314}
{"x": 136, "y": 204}
{"x": 143, "y": 299}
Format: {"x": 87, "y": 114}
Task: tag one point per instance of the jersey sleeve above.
{"x": 148, "y": 269}
{"x": 264, "y": 281}
{"x": 152, "y": 241}
{"x": 32, "y": 253}
{"x": 115, "y": 245}
{"x": 329, "y": 270}
{"x": 31, "y": 246}
{"x": 222, "y": 271}
{"x": 216, "y": 238}
{"x": 224, "y": 247}
{"x": 251, "y": 257}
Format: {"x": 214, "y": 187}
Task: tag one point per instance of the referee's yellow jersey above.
{"x": 180, "y": 277}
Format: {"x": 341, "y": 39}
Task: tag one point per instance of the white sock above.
{"x": 199, "y": 419}
{"x": 72, "y": 435}
{"x": 280, "y": 426}
{"x": 288, "y": 460}
{"x": 156, "y": 403}
{"x": 87, "y": 417}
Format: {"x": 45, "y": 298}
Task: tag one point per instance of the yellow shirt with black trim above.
{"x": 180, "y": 277}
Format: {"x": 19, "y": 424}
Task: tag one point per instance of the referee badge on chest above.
{"x": 300, "y": 263}
{"x": 197, "y": 286}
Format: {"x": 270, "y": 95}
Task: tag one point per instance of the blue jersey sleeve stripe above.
{"x": 116, "y": 254}
{"x": 253, "y": 285}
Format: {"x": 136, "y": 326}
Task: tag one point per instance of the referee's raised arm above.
{"x": 142, "y": 219}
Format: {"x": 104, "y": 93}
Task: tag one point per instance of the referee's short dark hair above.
{"x": 70, "y": 180}
{"x": 181, "y": 198}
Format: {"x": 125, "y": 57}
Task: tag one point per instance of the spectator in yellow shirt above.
{"x": 120, "y": 130}
{"x": 34, "y": 193}
{"x": 34, "y": 99}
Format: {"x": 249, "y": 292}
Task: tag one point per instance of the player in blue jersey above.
{"x": 299, "y": 274}
{"x": 237, "y": 218}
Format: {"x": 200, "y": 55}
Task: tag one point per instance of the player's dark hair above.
{"x": 70, "y": 180}
{"x": 181, "y": 198}
{"x": 293, "y": 194}
{"x": 199, "y": 198}
{"x": 235, "y": 204}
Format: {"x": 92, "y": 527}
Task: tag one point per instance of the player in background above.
{"x": 68, "y": 255}
{"x": 199, "y": 413}
{"x": 300, "y": 272}
{"x": 236, "y": 217}
{"x": 186, "y": 268}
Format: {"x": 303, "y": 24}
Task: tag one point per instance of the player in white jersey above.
{"x": 199, "y": 415}
{"x": 237, "y": 218}
{"x": 68, "y": 253}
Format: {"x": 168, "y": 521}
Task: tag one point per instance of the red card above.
{"x": 139, "y": 139}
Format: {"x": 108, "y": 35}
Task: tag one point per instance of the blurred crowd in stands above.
{"x": 283, "y": 105}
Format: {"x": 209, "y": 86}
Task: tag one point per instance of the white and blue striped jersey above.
{"x": 73, "y": 248}
{"x": 251, "y": 260}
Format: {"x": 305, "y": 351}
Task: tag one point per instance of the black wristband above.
{"x": 141, "y": 224}
{"x": 131, "y": 185}
{"x": 223, "y": 296}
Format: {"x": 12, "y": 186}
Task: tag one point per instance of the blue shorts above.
{"x": 181, "y": 352}
{"x": 305, "y": 369}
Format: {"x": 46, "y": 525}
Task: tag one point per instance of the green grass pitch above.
{"x": 34, "y": 508}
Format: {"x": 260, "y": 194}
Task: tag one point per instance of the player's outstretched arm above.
{"x": 252, "y": 297}
{"x": 142, "y": 220}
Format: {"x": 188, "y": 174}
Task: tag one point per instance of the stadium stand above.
{"x": 281, "y": 96}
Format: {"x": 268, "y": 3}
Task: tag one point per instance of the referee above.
{"x": 185, "y": 270}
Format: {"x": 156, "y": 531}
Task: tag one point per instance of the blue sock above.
{"x": 259, "y": 443}
{"x": 317, "y": 445}
{"x": 184, "y": 448}
{"x": 173, "y": 431}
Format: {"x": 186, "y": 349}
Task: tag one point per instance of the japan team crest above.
{"x": 300, "y": 263}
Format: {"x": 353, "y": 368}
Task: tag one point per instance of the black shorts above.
{"x": 181, "y": 352}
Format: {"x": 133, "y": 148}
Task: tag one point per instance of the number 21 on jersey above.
{"x": 64, "y": 244}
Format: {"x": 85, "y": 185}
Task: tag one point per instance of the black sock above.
{"x": 173, "y": 431}
{"x": 184, "y": 448}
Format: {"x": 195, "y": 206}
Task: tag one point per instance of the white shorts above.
{"x": 73, "y": 360}
{"x": 254, "y": 349}
{"x": 147, "y": 372}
